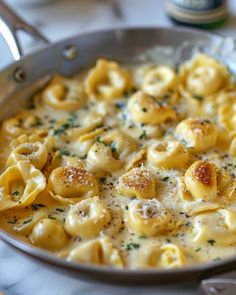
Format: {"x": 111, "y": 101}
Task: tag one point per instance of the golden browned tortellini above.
{"x": 49, "y": 234}
{"x": 227, "y": 117}
{"x": 99, "y": 251}
{"x": 203, "y": 76}
{"x": 64, "y": 94}
{"x": 197, "y": 134}
{"x": 34, "y": 152}
{"x": 87, "y": 218}
{"x": 168, "y": 155}
{"x": 107, "y": 80}
{"x": 205, "y": 181}
{"x": 138, "y": 182}
{"x": 155, "y": 256}
{"x": 148, "y": 217}
{"x": 146, "y": 110}
{"x": 201, "y": 180}
{"x": 159, "y": 81}
{"x": 215, "y": 228}
{"x": 20, "y": 184}
{"x": 102, "y": 160}
{"x": 72, "y": 183}
{"x": 22, "y": 123}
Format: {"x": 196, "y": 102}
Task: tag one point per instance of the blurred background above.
{"x": 59, "y": 19}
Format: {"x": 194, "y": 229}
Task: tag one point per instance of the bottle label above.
{"x": 199, "y": 5}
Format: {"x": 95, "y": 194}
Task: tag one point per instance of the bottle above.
{"x": 205, "y": 14}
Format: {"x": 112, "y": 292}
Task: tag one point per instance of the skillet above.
{"x": 27, "y": 74}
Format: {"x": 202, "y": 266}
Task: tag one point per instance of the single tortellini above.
{"x": 148, "y": 217}
{"x": 64, "y": 94}
{"x": 205, "y": 181}
{"x": 201, "y": 180}
{"x": 155, "y": 256}
{"x": 87, "y": 218}
{"x": 120, "y": 143}
{"x": 168, "y": 155}
{"x": 23, "y": 123}
{"x": 49, "y": 234}
{"x": 227, "y": 117}
{"x": 35, "y": 153}
{"x": 72, "y": 183}
{"x": 159, "y": 81}
{"x": 20, "y": 184}
{"x": 107, "y": 81}
{"x": 203, "y": 76}
{"x": 98, "y": 251}
{"x": 102, "y": 160}
{"x": 138, "y": 182}
{"x": 197, "y": 134}
{"x": 216, "y": 227}
{"x": 146, "y": 110}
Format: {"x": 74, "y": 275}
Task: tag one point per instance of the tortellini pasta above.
{"x": 20, "y": 184}
{"x": 146, "y": 110}
{"x": 138, "y": 182}
{"x": 87, "y": 218}
{"x": 203, "y": 76}
{"x": 197, "y": 134}
{"x": 72, "y": 183}
{"x": 227, "y": 116}
{"x": 101, "y": 159}
{"x": 156, "y": 256}
{"x": 204, "y": 181}
{"x": 168, "y": 155}
{"x": 215, "y": 227}
{"x": 64, "y": 94}
{"x": 34, "y": 152}
{"x": 98, "y": 251}
{"x": 23, "y": 123}
{"x": 49, "y": 234}
{"x": 107, "y": 80}
{"x": 159, "y": 81}
{"x": 148, "y": 217}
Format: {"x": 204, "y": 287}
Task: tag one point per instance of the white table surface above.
{"x": 57, "y": 20}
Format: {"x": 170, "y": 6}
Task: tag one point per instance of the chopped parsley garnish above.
{"x": 51, "y": 217}
{"x": 16, "y": 193}
{"x": 60, "y": 210}
{"x": 132, "y": 246}
{"x": 64, "y": 152}
{"x": 198, "y": 97}
{"x": 113, "y": 147}
{"x": 143, "y": 135}
{"x": 38, "y": 122}
{"x": 103, "y": 180}
{"x": 35, "y": 207}
{"x": 198, "y": 249}
{"x": 98, "y": 139}
{"x": 211, "y": 242}
{"x": 142, "y": 237}
{"x": 14, "y": 221}
{"x": 27, "y": 221}
{"x": 165, "y": 178}
{"x": 67, "y": 125}
{"x": 119, "y": 105}
{"x": 144, "y": 110}
{"x": 126, "y": 207}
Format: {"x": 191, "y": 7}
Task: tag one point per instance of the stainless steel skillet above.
{"x": 23, "y": 77}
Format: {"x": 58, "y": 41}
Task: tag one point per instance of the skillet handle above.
{"x": 10, "y": 23}
{"x": 218, "y": 286}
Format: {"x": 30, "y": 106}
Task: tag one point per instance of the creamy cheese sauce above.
{"x": 98, "y": 169}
